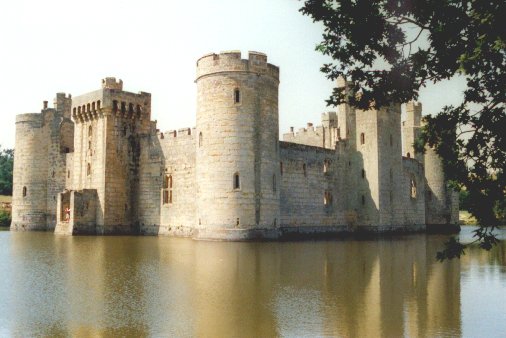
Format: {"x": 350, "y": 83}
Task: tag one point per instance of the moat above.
{"x": 159, "y": 286}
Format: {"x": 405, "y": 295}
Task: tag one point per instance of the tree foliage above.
{"x": 389, "y": 50}
{"x": 6, "y": 166}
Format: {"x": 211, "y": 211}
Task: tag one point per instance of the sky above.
{"x": 68, "y": 46}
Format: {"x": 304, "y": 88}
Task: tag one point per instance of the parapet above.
{"x": 111, "y": 83}
{"x": 29, "y": 117}
{"x": 230, "y": 61}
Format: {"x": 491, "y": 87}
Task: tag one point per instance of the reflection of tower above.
{"x": 109, "y": 123}
{"x": 237, "y": 169}
{"x": 42, "y": 143}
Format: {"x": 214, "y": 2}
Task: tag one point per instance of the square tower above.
{"x": 108, "y": 126}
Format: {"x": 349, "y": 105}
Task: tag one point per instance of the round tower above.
{"x": 437, "y": 195}
{"x": 29, "y": 194}
{"x": 237, "y": 170}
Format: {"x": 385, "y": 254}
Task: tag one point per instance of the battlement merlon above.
{"x": 230, "y": 61}
{"x": 111, "y": 100}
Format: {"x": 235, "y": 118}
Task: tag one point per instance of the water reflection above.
{"x": 148, "y": 286}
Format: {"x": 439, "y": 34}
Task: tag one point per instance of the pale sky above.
{"x": 68, "y": 46}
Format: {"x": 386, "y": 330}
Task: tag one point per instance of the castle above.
{"x": 97, "y": 164}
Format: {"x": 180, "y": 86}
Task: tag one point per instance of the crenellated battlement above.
{"x": 231, "y": 61}
{"x": 111, "y": 83}
{"x": 186, "y": 133}
{"x": 111, "y": 100}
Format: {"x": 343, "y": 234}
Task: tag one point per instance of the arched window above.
{"x": 413, "y": 187}
{"x": 115, "y": 106}
{"x": 326, "y": 166}
{"x": 93, "y": 106}
{"x": 237, "y": 181}
{"x": 274, "y": 183}
{"x": 88, "y": 169}
{"x": 138, "y": 110}
{"x": 24, "y": 191}
{"x": 123, "y": 107}
{"x": 408, "y": 155}
{"x": 130, "y": 108}
{"x": 200, "y": 139}
{"x": 79, "y": 109}
{"x": 84, "y": 108}
{"x": 327, "y": 198}
{"x": 98, "y": 104}
{"x": 237, "y": 96}
{"x": 74, "y": 110}
{"x": 88, "y": 108}
{"x": 304, "y": 169}
{"x": 362, "y": 138}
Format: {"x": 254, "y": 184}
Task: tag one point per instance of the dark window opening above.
{"x": 274, "y": 183}
{"x": 200, "y": 139}
{"x": 98, "y": 104}
{"x": 362, "y": 138}
{"x": 237, "y": 96}
{"x": 237, "y": 181}
{"x": 281, "y": 168}
{"x": 363, "y": 173}
{"x": 24, "y": 191}
{"x": 130, "y": 108}
{"x": 304, "y": 169}
{"x": 93, "y": 106}
{"x": 408, "y": 155}
{"x": 68, "y": 174}
{"x": 123, "y": 107}
{"x": 115, "y": 106}
{"x": 90, "y": 131}
{"x": 88, "y": 169}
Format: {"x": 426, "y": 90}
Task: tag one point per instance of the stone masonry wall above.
{"x": 309, "y": 195}
{"x": 178, "y": 215}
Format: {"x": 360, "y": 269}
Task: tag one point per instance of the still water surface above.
{"x": 157, "y": 286}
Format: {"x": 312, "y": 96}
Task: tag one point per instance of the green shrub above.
{"x": 5, "y": 218}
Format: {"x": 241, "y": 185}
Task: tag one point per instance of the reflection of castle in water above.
{"x": 161, "y": 286}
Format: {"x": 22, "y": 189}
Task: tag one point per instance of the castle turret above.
{"x": 30, "y": 174}
{"x": 237, "y": 146}
{"x": 411, "y": 130}
{"x": 42, "y": 142}
{"x": 441, "y": 202}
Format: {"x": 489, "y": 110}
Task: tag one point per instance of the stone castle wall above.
{"x": 310, "y": 195}
{"x": 230, "y": 177}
